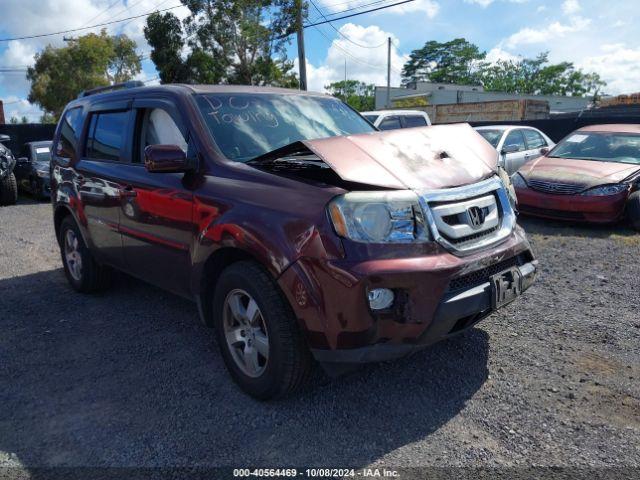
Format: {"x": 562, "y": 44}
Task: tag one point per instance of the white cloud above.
{"x": 619, "y": 66}
{"x": 19, "y": 107}
{"x": 551, "y": 32}
{"x": 366, "y": 64}
{"x": 496, "y": 54}
{"x": 569, "y": 7}
{"x": 486, "y": 3}
{"x": 429, "y": 7}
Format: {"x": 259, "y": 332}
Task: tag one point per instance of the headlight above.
{"x": 605, "y": 190}
{"x": 508, "y": 186}
{"x": 379, "y": 217}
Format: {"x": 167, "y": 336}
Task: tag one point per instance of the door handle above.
{"x": 127, "y": 192}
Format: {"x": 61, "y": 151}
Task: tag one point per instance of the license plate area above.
{"x": 506, "y": 286}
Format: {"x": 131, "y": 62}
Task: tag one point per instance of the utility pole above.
{"x": 388, "y": 72}
{"x": 302, "y": 63}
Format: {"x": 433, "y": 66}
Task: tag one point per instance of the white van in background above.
{"x": 394, "y": 119}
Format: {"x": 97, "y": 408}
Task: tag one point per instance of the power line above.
{"x": 350, "y": 9}
{"x": 26, "y": 37}
{"x": 342, "y": 34}
{"x": 358, "y": 13}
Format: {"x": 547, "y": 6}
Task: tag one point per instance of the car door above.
{"x": 535, "y": 144}
{"x": 513, "y": 151}
{"x": 156, "y": 216}
{"x": 98, "y": 176}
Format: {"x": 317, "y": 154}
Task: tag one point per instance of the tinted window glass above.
{"x": 159, "y": 128}
{"x": 107, "y": 134}
{"x": 245, "y": 126}
{"x": 534, "y": 139}
{"x": 390, "y": 123}
{"x": 371, "y": 118}
{"x": 414, "y": 121}
{"x": 70, "y": 130}
{"x": 607, "y": 147}
{"x": 515, "y": 138}
{"x": 492, "y": 136}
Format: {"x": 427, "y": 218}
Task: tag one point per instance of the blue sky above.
{"x": 596, "y": 36}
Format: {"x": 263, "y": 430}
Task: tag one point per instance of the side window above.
{"x": 107, "y": 135}
{"x": 70, "y": 130}
{"x": 534, "y": 139}
{"x": 159, "y": 128}
{"x": 390, "y": 123}
{"x": 414, "y": 121}
{"x": 515, "y": 138}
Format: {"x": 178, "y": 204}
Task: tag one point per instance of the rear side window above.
{"x": 534, "y": 139}
{"x": 515, "y": 138}
{"x": 70, "y": 130}
{"x": 107, "y": 135}
{"x": 390, "y": 123}
{"x": 414, "y": 121}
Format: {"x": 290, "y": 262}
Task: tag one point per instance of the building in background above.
{"x": 478, "y": 104}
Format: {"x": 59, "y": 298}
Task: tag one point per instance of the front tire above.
{"x": 82, "y": 271}
{"x": 633, "y": 210}
{"x": 9, "y": 190}
{"x": 259, "y": 339}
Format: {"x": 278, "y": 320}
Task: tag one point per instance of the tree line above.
{"x": 244, "y": 42}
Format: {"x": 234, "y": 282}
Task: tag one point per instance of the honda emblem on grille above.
{"x": 476, "y": 216}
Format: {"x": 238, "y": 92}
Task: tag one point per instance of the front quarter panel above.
{"x": 275, "y": 221}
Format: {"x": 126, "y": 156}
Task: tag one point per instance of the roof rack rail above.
{"x": 109, "y": 88}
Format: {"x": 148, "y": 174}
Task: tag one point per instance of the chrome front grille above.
{"x": 467, "y": 219}
{"x": 555, "y": 187}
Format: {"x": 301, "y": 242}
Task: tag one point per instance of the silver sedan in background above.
{"x": 516, "y": 144}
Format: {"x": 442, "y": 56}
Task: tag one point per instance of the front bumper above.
{"x": 456, "y": 313}
{"x": 437, "y": 295}
{"x": 581, "y": 208}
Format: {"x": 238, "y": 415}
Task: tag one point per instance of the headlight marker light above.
{"x": 606, "y": 190}
{"x": 379, "y": 217}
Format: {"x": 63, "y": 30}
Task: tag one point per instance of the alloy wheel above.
{"x": 246, "y": 333}
{"x": 72, "y": 254}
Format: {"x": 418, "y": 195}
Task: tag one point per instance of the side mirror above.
{"x": 544, "y": 150}
{"x": 165, "y": 159}
{"x": 510, "y": 149}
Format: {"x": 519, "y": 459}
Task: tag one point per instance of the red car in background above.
{"x": 592, "y": 175}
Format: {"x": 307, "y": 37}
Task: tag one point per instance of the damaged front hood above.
{"x": 589, "y": 173}
{"x": 415, "y": 158}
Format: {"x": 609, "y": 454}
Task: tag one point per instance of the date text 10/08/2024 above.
{"x": 316, "y": 472}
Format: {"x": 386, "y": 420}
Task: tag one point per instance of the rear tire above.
{"x": 8, "y": 190}
{"x": 284, "y": 365}
{"x": 633, "y": 210}
{"x": 82, "y": 271}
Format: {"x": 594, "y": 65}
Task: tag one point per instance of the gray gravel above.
{"x": 131, "y": 378}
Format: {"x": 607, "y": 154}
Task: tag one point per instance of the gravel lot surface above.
{"x": 131, "y": 378}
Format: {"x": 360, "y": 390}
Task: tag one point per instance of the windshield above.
{"x": 43, "y": 154}
{"x": 491, "y": 136}
{"x": 601, "y": 146}
{"x": 245, "y": 126}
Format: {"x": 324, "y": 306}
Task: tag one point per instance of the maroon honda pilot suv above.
{"x": 302, "y": 233}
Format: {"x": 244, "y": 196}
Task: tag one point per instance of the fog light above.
{"x": 380, "y": 298}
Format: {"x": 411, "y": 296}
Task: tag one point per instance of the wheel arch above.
{"x": 213, "y": 267}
